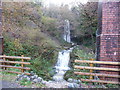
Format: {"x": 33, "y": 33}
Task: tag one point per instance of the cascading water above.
{"x": 62, "y": 65}
{"x": 63, "y": 56}
{"x": 66, "y": 35}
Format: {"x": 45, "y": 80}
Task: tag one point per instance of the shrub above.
{"x": 43, "y": 57}
{"x": 80, "y": 55}
{"x": 42, "y": 67}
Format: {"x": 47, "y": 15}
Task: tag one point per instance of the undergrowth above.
{"x": 79, "y": 54}
{"x": 42, "y": 57}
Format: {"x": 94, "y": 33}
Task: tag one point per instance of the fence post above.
{"x": 22, "y": 65}
{"x": 4, "y": 62}
{"x": 91, "y": 65}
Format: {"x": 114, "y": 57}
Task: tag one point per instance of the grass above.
{"x": 10, "y": 77}
{"x": 112, "y": 86}
{"x": 81, "y": 54}
{"x": 29, "y": 84}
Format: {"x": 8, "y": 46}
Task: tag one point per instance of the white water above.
{"x": 62, "y": 65}
{"x": 63, "y": 56}
{"x": 66, "y": 35}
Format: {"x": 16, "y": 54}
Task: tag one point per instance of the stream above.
{"x": 62, "y": 65}
{"x": 63, "y": 56}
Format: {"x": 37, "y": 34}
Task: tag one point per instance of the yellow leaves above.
{"x": 17, "y": 44}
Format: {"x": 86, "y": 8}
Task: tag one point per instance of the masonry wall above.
{"x": 109, "y": 35}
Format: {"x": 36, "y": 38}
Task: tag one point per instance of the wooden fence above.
{"x": 7, "y": 62}
{"x": 91, "y": 67}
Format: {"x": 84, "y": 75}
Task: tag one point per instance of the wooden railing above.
{"x": 5, "y": 62}
{"x": 91, "y": 67}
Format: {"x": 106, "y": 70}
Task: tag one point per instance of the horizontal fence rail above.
{"x": 97, "y": 68}
{"x": 100, "y": 81}
{"x": 14, "y": 62}
{"x": 5, "y": 60}
{"x": 97, "y": 62}
{"x": 15, "y": 57}
{"x": 97, "y": 74}
{"x": 91, "y": 67}
{"x": 26, "y": 68}
{"x": 14, "y": 72}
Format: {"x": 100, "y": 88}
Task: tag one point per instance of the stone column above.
{"x": 109, "y": 35}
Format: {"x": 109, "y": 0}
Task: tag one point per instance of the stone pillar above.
{"x": 1, "y": 37}
{"x": 109, "y": 35}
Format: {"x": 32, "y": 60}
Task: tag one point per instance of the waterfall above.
{"x": 63, "y": 56}
{"x": 66, "y": 35}
{"x": 62, "y": 65}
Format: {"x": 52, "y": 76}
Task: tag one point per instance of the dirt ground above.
{"x": 7, "y": 84}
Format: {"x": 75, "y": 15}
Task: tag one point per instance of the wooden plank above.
{"x": 14, "y": 72}
{"x": 22, "y": 65}
{"x": 15, "y": 57}
{"x": 98, "y": 62}
{"x": 100, "y": 81}
{"x": 97, "y": 74}
{"x": 26, "y": 68}
{"x": 91, "y": 65}
{"x": 15, "y": 62}
{"x": 4, "y": 63}
{"x": 97, "y": 68}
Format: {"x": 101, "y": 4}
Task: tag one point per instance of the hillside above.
{"x": 32, "y": 30}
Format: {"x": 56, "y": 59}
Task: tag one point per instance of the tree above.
{"x": 87, "y": 20}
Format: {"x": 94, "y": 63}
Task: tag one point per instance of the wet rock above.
{"x": 70, "y": 85}
{"x": 73, "y": 85}
{"x": 73, "y": 80}
{"x": 70, "y": 80}
{"x": 44, "y": 82}
{"x": 28, "y": 78}
{"x": 50, "y": 81}
{"x": 35, "y": 81}
{"x": 20, "y": 77}
{"x": 79, "y": 81}
{"x": 76, "y": 81}
{"x": 35, "y": 76}
{"x": 40, "y": 79}
{"x": 32, "y": 78}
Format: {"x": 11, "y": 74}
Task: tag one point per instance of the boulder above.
{"x": 73, "y": 85}
{"x": 70, "y": 80}
{"x": 36, "y": 76}
{"x": 28, "y": 78}
{"x": 35, "y": 81}
{"x": 40, "y": 79}
{"x": 44, "y": 82}
{"x": 73, "y": 80}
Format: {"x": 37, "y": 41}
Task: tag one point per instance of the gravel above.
{"x": 7, "y": 84}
